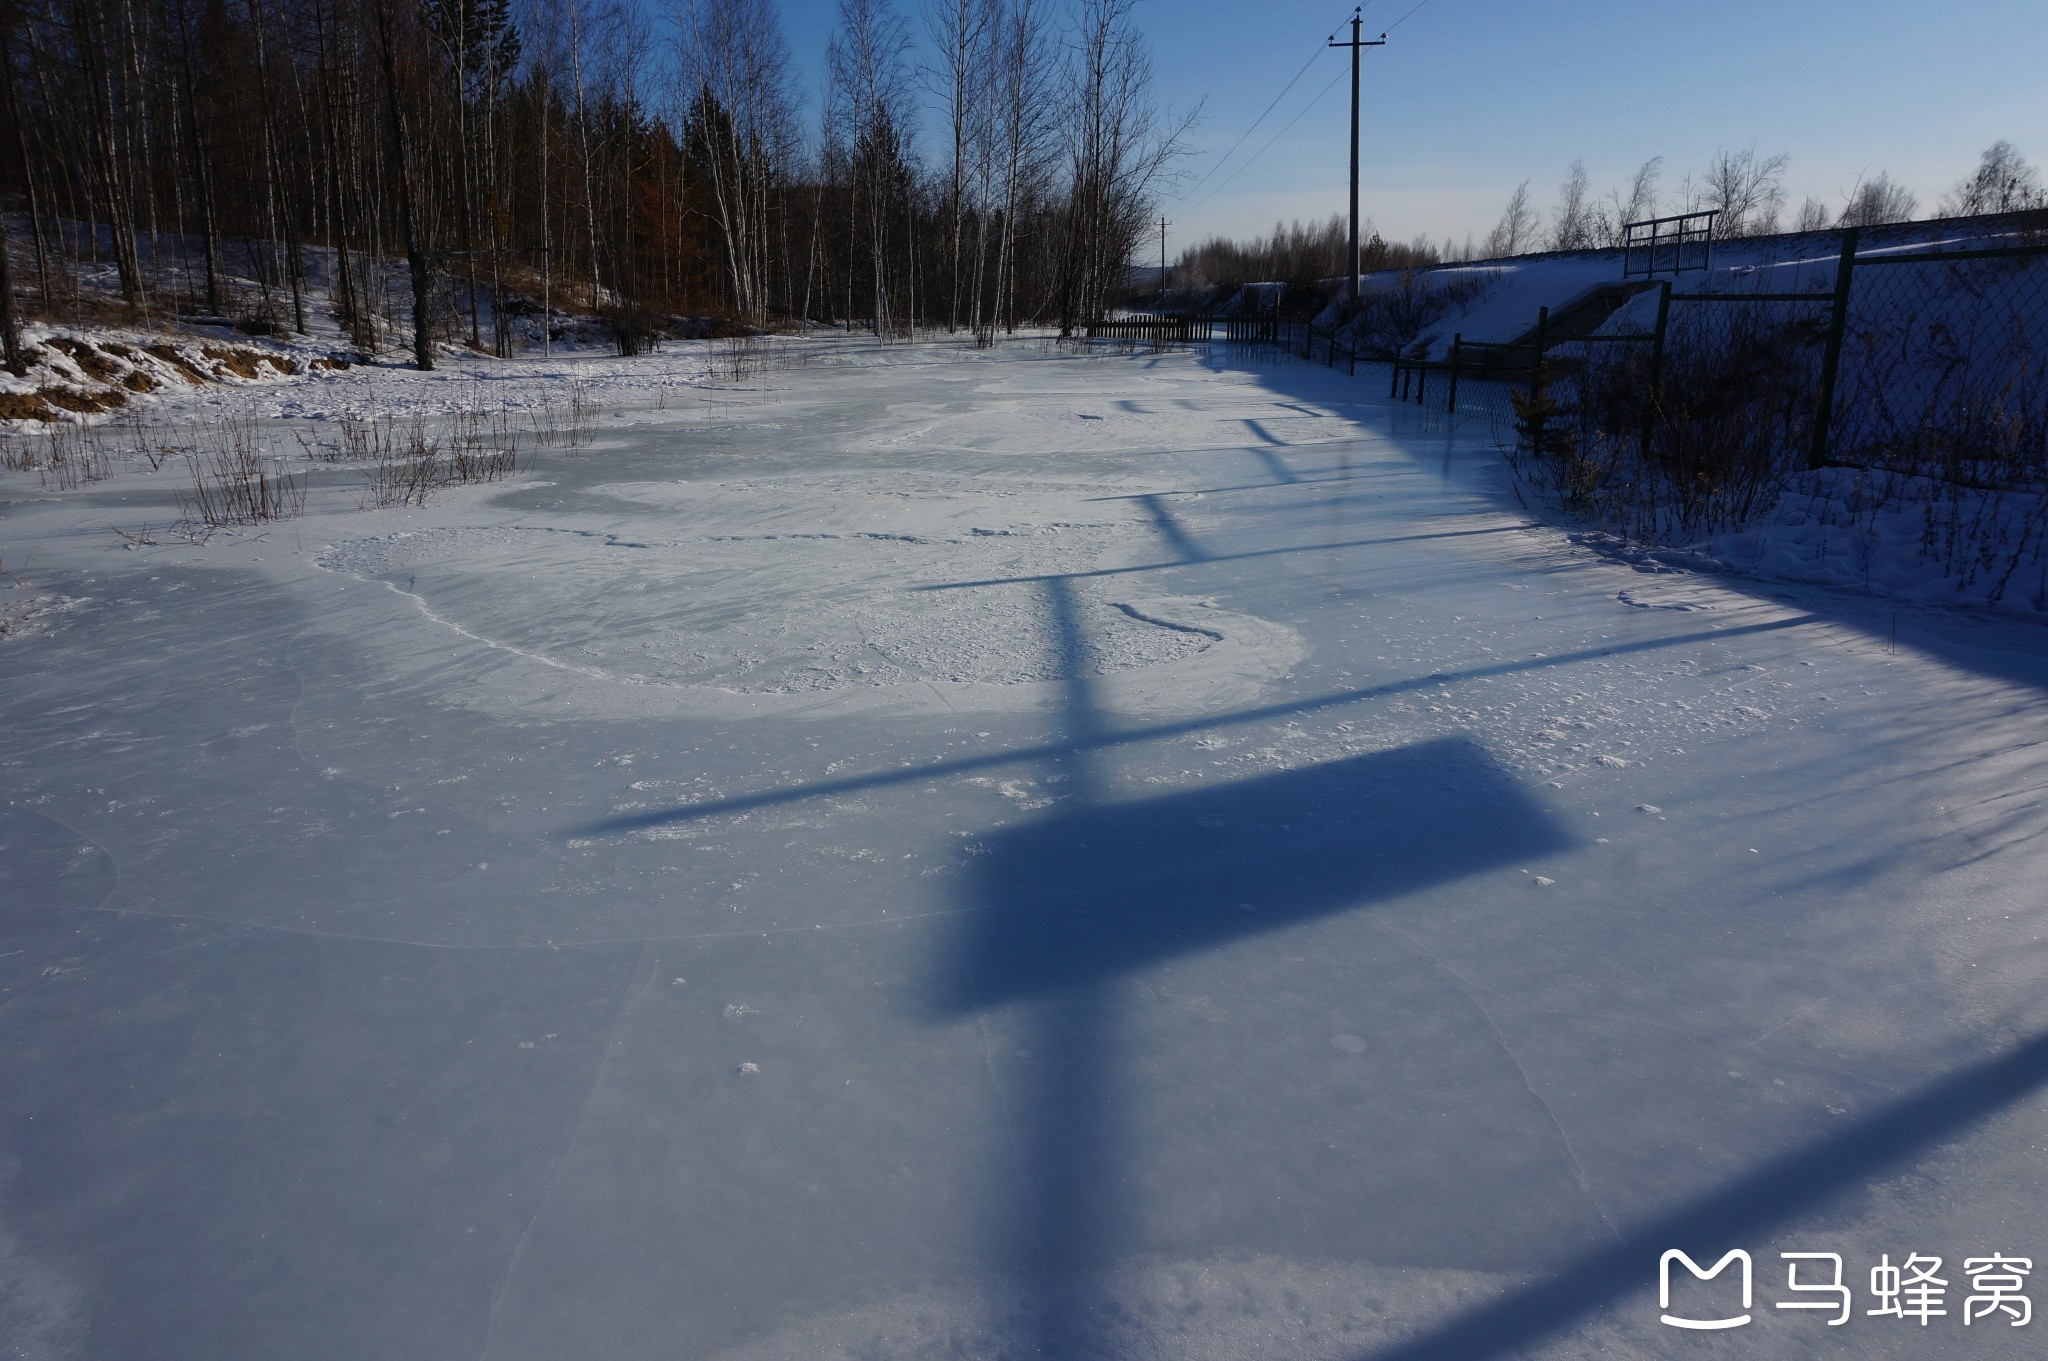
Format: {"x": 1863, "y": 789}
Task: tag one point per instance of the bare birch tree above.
{"x": 1516, "y": 229}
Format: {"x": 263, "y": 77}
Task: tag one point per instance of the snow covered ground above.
{"x": 931, "y": 853}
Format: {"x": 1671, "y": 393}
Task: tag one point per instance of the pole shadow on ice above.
{"x": 1096, "y": 892}
{"x": 1069, "y": 906}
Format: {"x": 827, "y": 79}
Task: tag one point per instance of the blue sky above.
{"x": 1470, "y": 97}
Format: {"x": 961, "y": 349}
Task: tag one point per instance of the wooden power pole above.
{"x": 1357, "y": 46}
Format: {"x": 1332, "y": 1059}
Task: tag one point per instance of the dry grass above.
{"x": 407, "y": 463}
{"x": 565, "y": 424}
{"x": 85, "y": 401}
{"x": 236, "y": 480}
{"x": 25, "y": 406}
{"x": 72, "y": 457}
{"x": 246, "y": 363}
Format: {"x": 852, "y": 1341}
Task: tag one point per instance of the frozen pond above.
{"x": 938, "y": 854}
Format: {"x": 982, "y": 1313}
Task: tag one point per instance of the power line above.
{"x": 1254, "y": 127}
{"x": 1255, "y": 123}
{"x": 1269, "y": 144}
{"x": 1302, "y": 113}
{"x": 1406, "y": 17}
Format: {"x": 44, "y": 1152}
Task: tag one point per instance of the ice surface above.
{"x": 937, "y": 853}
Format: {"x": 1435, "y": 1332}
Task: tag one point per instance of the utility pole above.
{"x": 1162, "y": 259}
{"x": 1357, "y": 46}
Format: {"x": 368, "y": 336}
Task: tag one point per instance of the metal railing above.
{"x": 1668, "y": 245}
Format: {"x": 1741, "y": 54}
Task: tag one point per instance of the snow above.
{"x": 1510, "y": 292}
{"x": 919, "y": 851}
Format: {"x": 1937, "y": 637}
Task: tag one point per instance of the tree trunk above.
{"x": 10, "y": 325}
{"x": 415, "y": 257}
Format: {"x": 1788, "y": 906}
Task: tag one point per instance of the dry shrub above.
{"x": 138, "y": 440}
{"x": 1730, "y": 415}
{"x": 482, "y": 445}
{"x": 566, "y": 424}
{"x": 405, "y": 471}
{"x": 237, "y": 481}
{"x": 73, "y": 456}
{"x": 407, "y": 465}
{"x": 736, "y": 358}
{"x": 65, "y": 456}
{"x": 1937, "y": 434}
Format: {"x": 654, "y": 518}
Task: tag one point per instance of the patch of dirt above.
{"x": 244, "y": 362}
{"x": 83, "y": 401}
{"x": 169, "y": 354}
{"x": 25, "y": 406}
{"x": 138, "y": 381}
{"x": 95, "y": 364}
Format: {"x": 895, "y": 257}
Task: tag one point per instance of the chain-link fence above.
{"x": 1682, "y": 419}
{"x": 1908, "y": 388}
{"x": 1940, "y": 368}
{"x": 1899, "y": 395}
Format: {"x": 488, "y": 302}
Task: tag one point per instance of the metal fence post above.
{"x": 1831, "y": 358}
{"x": 1451, "y": 403}
{"x": 1655, "y": 405}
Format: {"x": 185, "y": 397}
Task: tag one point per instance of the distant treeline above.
{"x": 1745, "y": 187}
{"x": 579, "y": 153}
{"x": 1747, "y": 190}
{"x": 1298, "y": 254}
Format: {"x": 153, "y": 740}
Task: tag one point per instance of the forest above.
{"x": 435, "y": 170}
